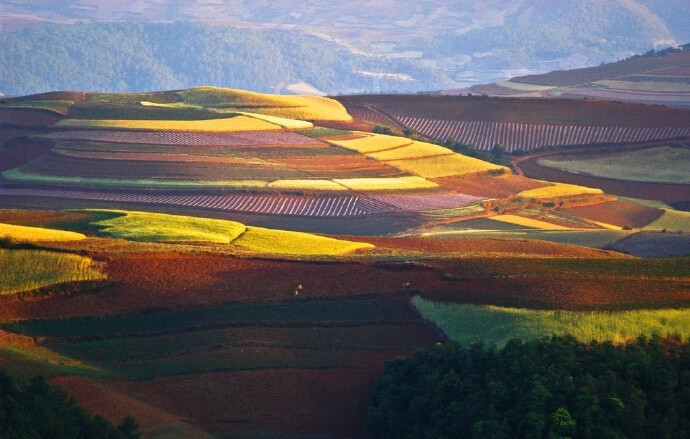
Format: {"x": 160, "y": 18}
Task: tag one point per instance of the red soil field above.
{"x": 568, "y": 293}
{"x": 489, "y": 186}
{"x": 525, "y": 110}
{"x": 489, "y": 245}
{"x": 21, "y": 151}
{"x": 324, "y": 402}
{"x": 28, "y": 117}
{"x": 99, "y": 397}
{"x": 618, "y": 213}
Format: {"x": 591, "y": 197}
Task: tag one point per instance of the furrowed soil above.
{"x": 524, "y": 110}
{"x": 618, "y": 213}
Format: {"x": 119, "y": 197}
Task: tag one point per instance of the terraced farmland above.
{"x": 484, "y": 135}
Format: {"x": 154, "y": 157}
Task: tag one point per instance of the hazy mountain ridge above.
{"x": 464, "y": 42}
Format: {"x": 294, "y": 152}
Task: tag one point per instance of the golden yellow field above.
{"x": 386, "y": 183}
{"x": 232, "y": 124}
{"x": 528, "y": 222}
{"x": 317, "y": 185}
{"x": 290, "y": 124}
{"x": 444, "y": 166}
{"x": 369, "y": 143}
{"x": 270, "y": 241}
{"x": 412, "y": 151}
{"x": 558, "y": 190}
{"x": 37, "y": 234}
{"x": 287, "y": 106}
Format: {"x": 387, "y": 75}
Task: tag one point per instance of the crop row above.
{"x": 484, "y": 135}
{"x": 254, "y": 138}
{"x": 291, "y": 205}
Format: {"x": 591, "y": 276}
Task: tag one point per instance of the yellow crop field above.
{"x": 25, "y": 270}
{"x": 158, "y": 227}
{"x": 386, "y": 183}
{"x": 37, "y": 234}
{"x": 528, "y": 222}
{"x": 444, "y": 166}
{"x": 413, "y": 151}
{"x": 372, "y": 143}
{"x": 269, "y": 241}
{"x": 232, "y": 124}
{"x": 290, "y": 124}
{"x": 316, "y": 185}
{"x": 288, "y": 106}
{"x": 558, "y": 190}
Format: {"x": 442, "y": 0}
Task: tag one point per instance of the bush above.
{"x": 380, "y": 129}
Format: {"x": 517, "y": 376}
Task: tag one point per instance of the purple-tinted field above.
{"x": 257, "y": 138}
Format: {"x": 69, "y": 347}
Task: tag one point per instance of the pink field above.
{"x": 248, "y": 139}
{"x": 419, "y": 203}
{"x": 483, "y": 135}
{"x": 290, "y": 205}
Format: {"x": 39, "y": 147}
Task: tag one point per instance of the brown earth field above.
{"x": 524, "y": 110}
{"x": 28, "y": 117}
{"x": 490, "y": 186}
{"x": 163, "y": 280}
{"x": 17, "y": 152}
{"x": 619, "y": 213}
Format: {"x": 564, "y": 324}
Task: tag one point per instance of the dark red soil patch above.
{"x": 489, "y": 186}
{"x": 618, "y": 213}
{"x": 488, "y": 245}
{"x": 100, "y": 398}
{"x": 330, "y": 402}
{"x": 28, "y": 117}
{"x": 21, "y": 151}
{"x": 570, "y": 293}
{"x": 525, "y": 110}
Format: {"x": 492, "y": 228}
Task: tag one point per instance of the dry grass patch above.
{"x": 412, "y": 151}
{"x": 444, "y": 166}
{"x": 386, "y": 183}
{"x": 37, "y": 234}
{"x": 316, "y": 185}
{"x": 269, "y": 241}
{"x": 372, "y": 143}
{"x": 559, "y": 190}
{"x": 527, "y": 222}
{"x": 232, "y": 124}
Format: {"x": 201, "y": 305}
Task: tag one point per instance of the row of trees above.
{"x": 548, "y": 388}
{"x": 38, "y": 410}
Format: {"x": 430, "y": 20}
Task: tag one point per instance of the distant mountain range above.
{"x": 657, "y": 77}
{"x": 319, "y": 46}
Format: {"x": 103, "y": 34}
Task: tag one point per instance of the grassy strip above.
{"x": 466, "y": 323}
{"x": 674, "y": 220}
{"x": 158, "y": 227}
{"x": 26, "y": 270}
{"x": 527, "y": 222}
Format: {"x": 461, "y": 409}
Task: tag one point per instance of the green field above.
{"x": 26, "y": 270}
{"x": 159, "y": 227}
{"x": 466, "y": 323}
{"x": 663, "y": 164}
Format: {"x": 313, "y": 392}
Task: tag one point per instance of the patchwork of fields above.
{"x": 159, "y": 261}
